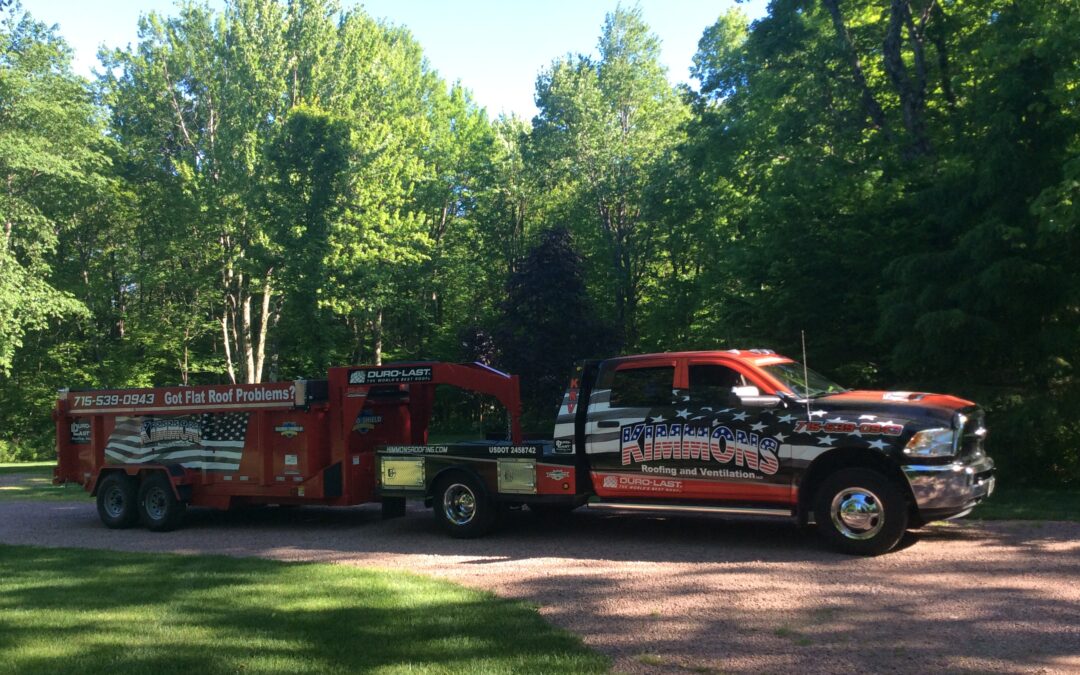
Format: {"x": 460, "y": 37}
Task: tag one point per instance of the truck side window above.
{"x": 712, "y": 383}
{"x": 642, "y": 387}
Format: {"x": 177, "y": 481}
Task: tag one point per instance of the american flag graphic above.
{"x": 211, "y": 441}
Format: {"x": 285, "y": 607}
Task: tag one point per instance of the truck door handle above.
{"x": 607, "y": 424}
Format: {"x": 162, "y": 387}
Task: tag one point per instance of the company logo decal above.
{"x": 80, "y": 432}
{"x": 647, "y": 442}
{"x": 557, "y": 474}
{"x": 642, "y": 483}
{"x": 404, "y": 375}
{"x": 177, "y": 429}
{"x": 366, "y": 421}
{"x": 289, "y": 429}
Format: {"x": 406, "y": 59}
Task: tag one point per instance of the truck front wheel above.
{"x": 860, "y": 511}
{"x": 462, "y": 507}
{"x": 116, "y": 501}
{"x": 159, "y": 509}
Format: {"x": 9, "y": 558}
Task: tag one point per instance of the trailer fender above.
{"x": 106, "y": 471}
{"x": 177, "y": 476}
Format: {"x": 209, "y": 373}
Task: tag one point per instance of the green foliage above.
{"x": 1010, "y": 503}
{"x": 107, "y": 612}
{"x": 605, "y": 125}
{"x": 896, "y": 180}
{"x": 50, "y": 152}
{"x": 548, "y": 324}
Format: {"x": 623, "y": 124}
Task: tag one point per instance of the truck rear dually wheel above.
{"x": 116, "y": 501}
{"x": 462, "y": 506}
{"x": 860, "y": 511}
{"x": 159, "y": 509}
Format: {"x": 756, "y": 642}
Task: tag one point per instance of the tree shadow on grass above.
{"x": 68, "y": 610}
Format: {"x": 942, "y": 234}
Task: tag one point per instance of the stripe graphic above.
{"x": 210, "y": 441}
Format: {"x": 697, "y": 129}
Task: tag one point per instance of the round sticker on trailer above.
{"x": 366, "y": 421}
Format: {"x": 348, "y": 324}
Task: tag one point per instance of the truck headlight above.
{"x": 932, "y": 443}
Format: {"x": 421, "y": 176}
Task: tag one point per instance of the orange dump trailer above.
{"x": 148, "y": 453}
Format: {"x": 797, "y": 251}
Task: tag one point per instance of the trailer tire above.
{"x": 462, "y": 506}
{"x": 116, "y": 501}
{"x": 860, "y": 512}
{"x": 159, "y": 509}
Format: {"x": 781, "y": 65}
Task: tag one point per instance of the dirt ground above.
{"x": 688, "y": 594}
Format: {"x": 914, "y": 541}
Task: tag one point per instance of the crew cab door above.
{"x": 731, "y": 404}
{"x": 629, "y": 400}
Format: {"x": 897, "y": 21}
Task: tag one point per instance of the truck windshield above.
{"x": 810, "y": 386}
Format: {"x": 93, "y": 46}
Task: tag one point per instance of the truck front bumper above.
{"x": 950, "y": 490}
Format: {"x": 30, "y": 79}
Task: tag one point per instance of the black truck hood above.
{"x": 904, "y": 404}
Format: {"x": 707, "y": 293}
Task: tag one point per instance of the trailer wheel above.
{"x": 462, "y": 507}
{"x": 116, "y": 501}
{"x": 860, "y": 511}
{"x": 159, "y": 509}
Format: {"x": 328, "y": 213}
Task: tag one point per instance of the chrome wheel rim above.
{"x": 459, "y": 504}
{"x": 114, "y": 502}
{"x": 156, "y": 503}
{"x": 857, "y": 513}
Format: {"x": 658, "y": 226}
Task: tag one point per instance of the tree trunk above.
{"x": 377, "y": 333}
{"x": 246, "y": 340}
{"x": 870, "y": 105}
{"x": 937, "y": 37}
{"x": 264, "y": 325}
{"x": 184, "y": 368}
{"x": 226, "y": 340}
{"x": 912, "y": 93}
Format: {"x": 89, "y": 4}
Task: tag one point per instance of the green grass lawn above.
{"x": 32, "y": 481}
{"x": 1016, "y": 503}
{"x": 69, "y": 610}
{"x": 27, "y": 467}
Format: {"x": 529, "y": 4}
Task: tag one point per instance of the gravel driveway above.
{"x": 692, "y": 594}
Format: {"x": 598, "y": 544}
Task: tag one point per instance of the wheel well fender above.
{"x": 105, "y": 473}
{"x": 847, "y": 458}
{"x": 178, "y": 492}
{"x": 455, "y": 470}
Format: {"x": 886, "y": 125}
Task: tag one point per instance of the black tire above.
{"x": 159, "y": 509}
{"x": 116, "y": 497}
{"x": 462, "y": 506}
{"x": 861, "y": 512}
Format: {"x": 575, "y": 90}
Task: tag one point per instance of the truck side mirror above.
{"x": 751, "y": 397}
{"x": 760, "y": 401}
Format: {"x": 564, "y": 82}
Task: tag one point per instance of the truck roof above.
{"x": 757, "y": 357}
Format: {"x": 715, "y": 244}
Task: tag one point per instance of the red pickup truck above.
{"x": 747, "y": 433}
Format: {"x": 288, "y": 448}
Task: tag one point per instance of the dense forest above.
{"x": 261, "y": 192}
